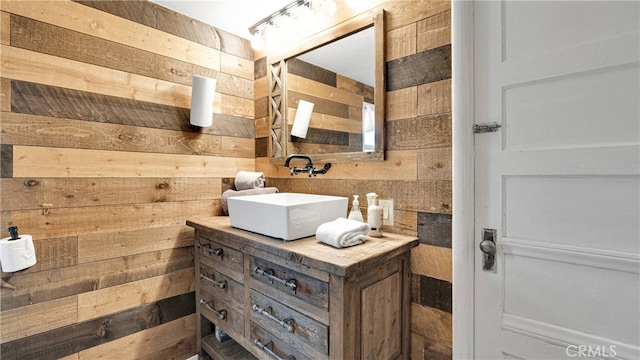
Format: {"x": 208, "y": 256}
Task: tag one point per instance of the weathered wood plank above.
{"x": 33, "y": 319}
{"x": 261, "y": 107}
{"x": 237, "y": 66}
{"x": 401, "y": 104}
{"x": 95, "y": 247}
{"x": 140, "y": 11}
{"x": 121, "y": 297}
{"x": 5, "y": 28}
{"x": 185, "y": 27}
{"x": 356, "y": 87}
{"x": 30, "y": 130}
{"x": 401, "y": 42}
{"x": 74, "y": 338}
{"x": 61, "y": 222}
{"x": 402, "y": 13}
{"x": 5, "y": 95}
{"x": 94, "y": 22}
{"x": 434, "y": 31}
{"x": 434, "y": 164}
{"x": 34, "y": 161}
{"x": 55, "y": 253}
{"x": 33, "y": 288}
{"x": 154, "y": 338}
{"x": 434, "y": 98}
{"x": 261, "y": 88}
{"x": 321, "y": 105}
{"x": 422, "y": 68}
{"x": 312, "y": 72}
{"x": 262, "y": 147}
{"x": 234, "y": 85}
{"x": 419, "y": 133}
{"x": 53, "y": 40}
{"x": 234, "y": 45}
{"x": 183, "y": 347}
{"x": 434, "y": 229}
{"x": 47, "y": 193}
{"x": 309, "y": 87}
{"x": 6, "y": 161}
{"x": 435, "y": 293}
{"x": 328, "y": 122}
{"x": 432, "y": 323}
{"x": 260, "y": 68}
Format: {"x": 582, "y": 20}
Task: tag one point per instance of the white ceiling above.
{"x": 351, "y": 57}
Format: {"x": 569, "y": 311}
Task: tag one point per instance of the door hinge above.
{"x": 486, "y": 128}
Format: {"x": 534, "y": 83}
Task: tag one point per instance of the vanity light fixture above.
{"x": 281, "y": 21}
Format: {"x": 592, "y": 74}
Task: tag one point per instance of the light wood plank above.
{"x": 434, "y": 164}
{"x": 34, "y": 319}
{"x": 432, "y": 261}
{"x": 323, "y": 91}
{"x": 434, "y": 98}
{"x": 328, "y": 122}
{"x": 32, "y": 161}
{"x": 94, "y": 247}
{"x": 90, "y": 21}
{"x": 401, "y": 42}
{"x": 236, "y": 65}
{"x": 402, "y": 104}
{"x": 117, "y": 298}
{"x": 71, "y": 357}
{"x": 232, "y": 105}
{"x": 262, "y": 127}
{"x": 434, "y": 31}
{"x": 5, "y": 97}
{"x": 432, "y": 323}
{"x": 261, "y": 87}
{"x": 5, "y": 28}
{"x": 143, "y": 342}
{"x": 102, "y": 219}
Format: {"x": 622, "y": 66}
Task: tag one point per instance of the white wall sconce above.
{"x": 202, "y": 92}
{"x": 302, "y": 120}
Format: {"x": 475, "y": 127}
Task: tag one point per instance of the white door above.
{"x": 559, "y": 181}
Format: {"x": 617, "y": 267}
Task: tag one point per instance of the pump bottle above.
{"x": 374, "y": 217}
{"x": 355, "y": 213}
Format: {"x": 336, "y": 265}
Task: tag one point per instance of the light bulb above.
{"x": 272, "y": 35}
{"x": 329, "y": 8}
{"x": 257, "y": 42}
{"x": 287, "y": 26}
{"x": 306, "y": 17}
{"x": 353, "y": 3}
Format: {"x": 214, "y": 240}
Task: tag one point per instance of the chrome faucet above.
{"x": 312, "y": 171}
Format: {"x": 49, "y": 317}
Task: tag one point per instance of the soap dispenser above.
{"x": 374, "y": 217}
{"x": 355, "y": 213}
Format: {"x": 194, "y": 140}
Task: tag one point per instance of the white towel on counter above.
{"x": 343, "y": 232}
{"x": 249, "y": 180}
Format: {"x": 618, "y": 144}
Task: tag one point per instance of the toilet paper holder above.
{"x": 16, "y": 252}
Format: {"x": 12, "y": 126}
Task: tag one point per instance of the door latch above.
{"x": 488, "y": 248}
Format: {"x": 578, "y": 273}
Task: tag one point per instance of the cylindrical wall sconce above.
{"x": 302, "y": 120}
{"x": 202, "y": 91}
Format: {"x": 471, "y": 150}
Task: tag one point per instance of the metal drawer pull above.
{"x": 291, "y": 284}
{"x": 220, "y": 284}
{"x": 287, "y": 324}
{"x": 222, "y": 314}
{"x": 270, "y": 352}
{"x": 216, "y": 252}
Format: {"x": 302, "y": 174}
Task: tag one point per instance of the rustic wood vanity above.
{"x": 300, "y": 299}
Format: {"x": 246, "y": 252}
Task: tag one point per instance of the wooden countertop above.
{"x": 309, "y": 251}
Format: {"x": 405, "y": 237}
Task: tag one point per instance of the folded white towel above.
{"x": 249, "y": 180}
{"x": 343, "y": 232}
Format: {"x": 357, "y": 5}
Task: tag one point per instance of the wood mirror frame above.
{"x": 279, "y": 137}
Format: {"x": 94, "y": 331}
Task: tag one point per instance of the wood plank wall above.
{"x": 417, "y": 169}
{"x": 100, "y": 165}
{"x": 336, "y": 122}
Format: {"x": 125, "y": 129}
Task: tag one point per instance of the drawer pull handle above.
{"x": 216, "y": 252}
{"x": 220, "y": 284}
{"x": 291, "y": 283}
{"x": 222, "y": 314}
{"x": 287, "y": 324}
{"x": 270, "y": 352}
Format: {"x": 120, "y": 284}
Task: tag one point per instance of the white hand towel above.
{"x": 249, "y": 180}
{"x": 343, "y": 232}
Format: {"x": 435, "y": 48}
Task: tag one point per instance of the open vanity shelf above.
{"x": 300, "y": 299}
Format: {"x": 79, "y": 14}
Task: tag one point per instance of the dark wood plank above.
{"x": 234, "y": 45}
{"x": 321, "y": 106}
{"x": 261, "y": 107}
{"x": 434, "y": 229}
{"x": 140, "y": 11}
{"x": 435, "y": 293}
{"x": 262, "y": 147}
{"x": 322, "y": 136}
{"x": 6, "y": 161}
{"x": 421, "y": 68}
{"x": 260, "y": 68}
{"x": 53, "y": 40}
{"x": 185, "y": 27}
{"x": 71, "y": 339}
{"x": 312, "y": 72}
{"x": 419, "y": 133}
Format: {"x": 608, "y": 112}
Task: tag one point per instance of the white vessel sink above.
{"x": 288, "y": 216}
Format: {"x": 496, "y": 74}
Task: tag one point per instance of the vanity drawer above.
{"x": 224, "y": 313}
{"x": 288, "y": 285}
{"x": 296, "y": 330}
{"x": 270, "y": 345}
{"x": 220, "y": 285}
{"x": 223, "y": 258}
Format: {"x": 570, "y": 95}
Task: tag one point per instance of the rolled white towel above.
{"x": 249, "y": 180}
{"x": 342, "y": 232}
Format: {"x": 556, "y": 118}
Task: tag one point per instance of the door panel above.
{"x": 560, "y": 181}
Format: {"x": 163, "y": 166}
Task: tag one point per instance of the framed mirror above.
{"x": 327, "y": 94}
